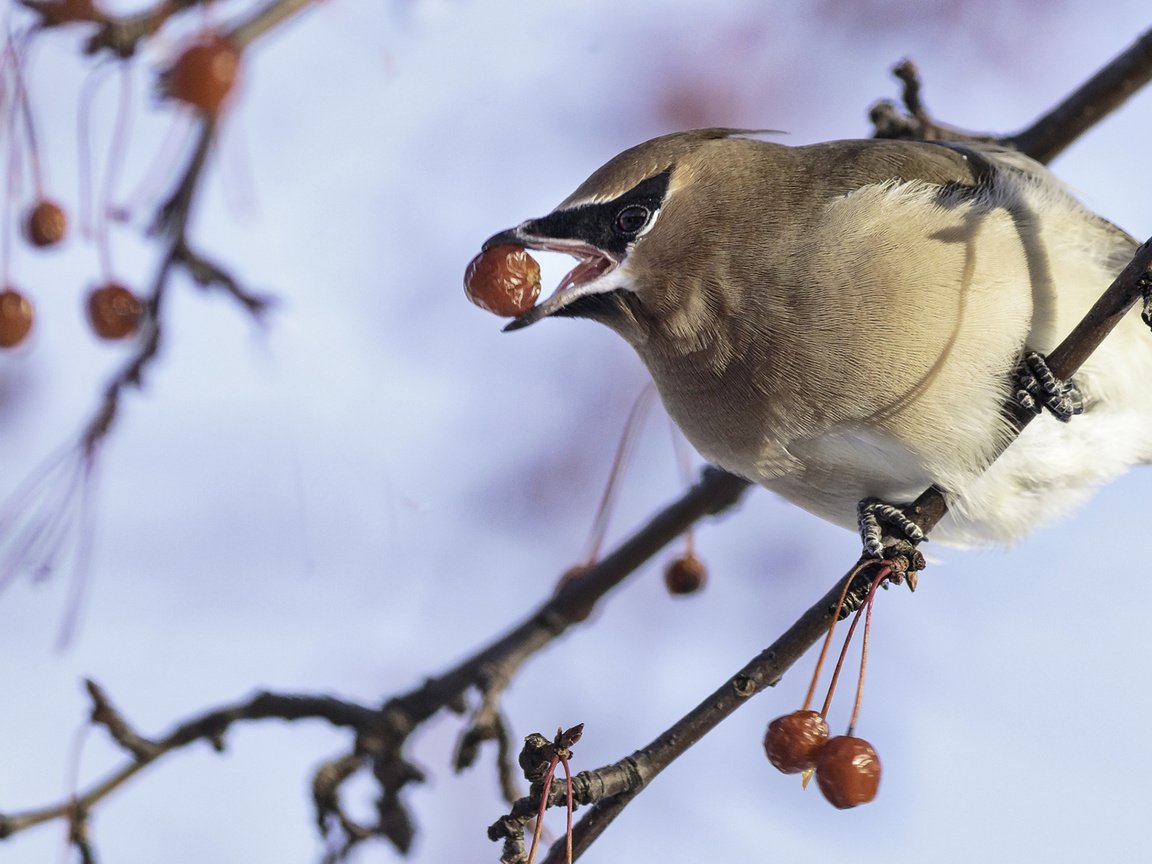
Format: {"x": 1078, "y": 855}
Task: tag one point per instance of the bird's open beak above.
{"x": 587, "y": 277}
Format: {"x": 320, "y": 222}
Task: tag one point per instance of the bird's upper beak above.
{"x": 587, "y": 277}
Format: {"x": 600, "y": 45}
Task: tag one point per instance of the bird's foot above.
{"x": 899, "y": 563}
{"x": 871, "y": 515}
{"x": 1037, "y": 388}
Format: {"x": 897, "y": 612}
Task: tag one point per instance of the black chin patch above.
{"x": 595, "y": 224}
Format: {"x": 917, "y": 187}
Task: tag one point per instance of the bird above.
{"x": 843, "y": 322}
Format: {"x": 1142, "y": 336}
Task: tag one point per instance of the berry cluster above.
{"x": 847, "y": 768}
{"x": 114, "y": 312}
{"x": 203, "y": 77}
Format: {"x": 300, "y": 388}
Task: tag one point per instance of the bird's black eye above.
{"x": 632, "y": 218}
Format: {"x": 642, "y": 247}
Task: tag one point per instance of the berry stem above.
{"x": 880, "y": 577}
{"x": 684, "y": 461}
{"x": 863, "y": 661}
{"x": 116, "y": 152}
{"x": 546, "y": 787}
{"x": 828, "y": 638}
{"x": 568, "y": 782}
{"x": 623, "y": 450}
{"x": 21, "y": 103}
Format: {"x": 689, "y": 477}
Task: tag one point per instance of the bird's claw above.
{"x": 1146, "y": 293}
{"x": 1038, "y": 388}
{"x": 870, "y": 513}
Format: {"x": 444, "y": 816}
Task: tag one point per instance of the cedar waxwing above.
{"x": 843, "y": 321}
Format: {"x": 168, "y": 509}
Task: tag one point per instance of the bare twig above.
{"x": 382, "y": 733}
{"x": 917, "y": 124}
{"x": 264, "y": 19}
{"x": 121, "y": 35}
{"x": 1049, "y": 136}
{"x": 104, "y": 714}
{"x": 209, "y": 727}
{"x": 1102, "y": 94}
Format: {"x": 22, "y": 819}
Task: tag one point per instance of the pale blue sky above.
{"x": 358, "y": 495}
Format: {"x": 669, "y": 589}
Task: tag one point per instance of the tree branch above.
{"x": 209, "y": 727}
{"x": 1102, "y": 94}
{"x": 1050, "y": 135}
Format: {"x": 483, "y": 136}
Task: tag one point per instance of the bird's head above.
{"x": 628, "y": 225}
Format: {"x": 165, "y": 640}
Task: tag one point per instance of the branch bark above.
{"x": 1102, "y": 94}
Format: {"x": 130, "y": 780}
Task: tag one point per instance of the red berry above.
{"x": 848, "y": 771}
{"x": 204, "y": 74}
{"x": 794, "y": 741}
{"x": 46, "y": 223}
{"x": 15, "y": 317}
{"x": 685, "y": 575}
{"x": 114, "y": 311}
{"x": 503, "y": 280}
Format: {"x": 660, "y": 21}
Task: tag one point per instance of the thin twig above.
{"x": 264, "y": 19}
{"x": 1102, "y": 94}
{"x": 209, "y": 727}
{"x": 1043, "y": 140}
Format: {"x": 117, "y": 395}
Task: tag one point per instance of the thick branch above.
{"x": 496, "y": 663}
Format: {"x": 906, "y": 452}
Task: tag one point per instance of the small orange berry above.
{"x": 114, "y": 311}
{"x": 16, "y": 315}
{"x": 46, "y": 223}
{"x": 685, "y": 575}
{"x": 204, "y": 74}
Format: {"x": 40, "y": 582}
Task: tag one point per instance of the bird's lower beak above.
{"x": 585, "y": 278}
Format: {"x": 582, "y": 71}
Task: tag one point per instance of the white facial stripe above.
{"x": 617, "y": 277}
{"x": 648, "y": 226}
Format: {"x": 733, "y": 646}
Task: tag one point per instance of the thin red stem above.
{"x": 883, "y": 574}
{"x": 623, "y": 449}
{"x": 828, "y": 638}
{"x": 20, "y": 101}
{"x": 684, "y": 461}
{"x": 84, "y": 146}
{"x": 568, "y": 781}
{"x": 116, "y": 151}
{"x": 863, "y": 662}
{"x": 547, "y": 787}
